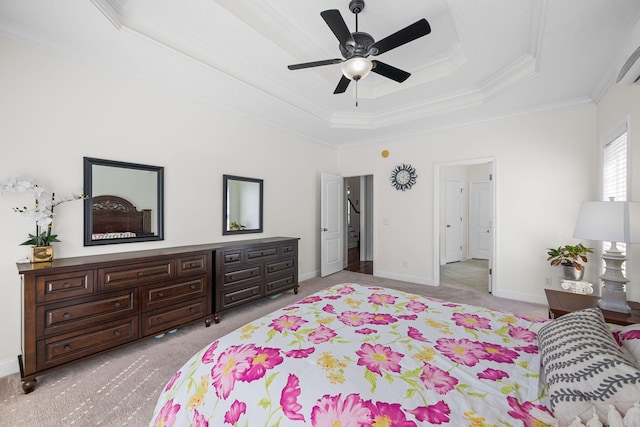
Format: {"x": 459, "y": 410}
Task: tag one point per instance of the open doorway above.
{"x": 359, "y": 223}
{"x": 464, "y": 222}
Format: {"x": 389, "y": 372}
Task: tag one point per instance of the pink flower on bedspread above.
{"x": 416, "y": 306}
{"x": 382, "y": 319}
{"x": 231, "y": 366}
{"x": 167, "y": 415}
{"x": 303, "y": 353}
{"x": 408, "y": 316}
{"x": 286, "y": 322}
{"x": 520, "y": 333}
{"x": 235, "y": 412}
{"x": 321, "y": 334}
{"x": 265, "y": 358}
{"x": 633, "y": 334}
{"x": 345, "y": 290}
{"x": 437, "y": 413}
{"x": 461, "y": 351}
{"x": 437, "y": 380}
{"x": 199, "y": 420}
{"x": 416, "y": 334}
{"x": 531, "y": 349}
{"x": 492, "y": 374}
{"x": 388, "y": 415}
{"x": 365, "y": 331}
{"x": 353, "y": 318}
{"x": 521, "y": 411}
{"x": 498, "y": 353}
{"x": 471, "y": 321}
{"x": 207, "y": 357}
{"x": 289, "y": 399}
{"x": 333, "y": 411}
{"x": 378, "y": 357}
{"x": 172, "y": 380}
{"x": 329, "y": 309}
{"x": 310, "y": 299}
{"x": 382, "y": 299}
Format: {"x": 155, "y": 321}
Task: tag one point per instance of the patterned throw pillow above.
{"x": 629, "y": 337}
{"x": 584, "y": 367}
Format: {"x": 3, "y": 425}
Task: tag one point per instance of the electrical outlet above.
{"x": 548, "y": 281}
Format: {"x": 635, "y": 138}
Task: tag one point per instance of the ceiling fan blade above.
{"x": 314, "y": 64}
{"x": 343, "y": 84}
{"x": 404, "y": 36}
{"x": 334, "y": 20}
{"x": 389, "y": 71}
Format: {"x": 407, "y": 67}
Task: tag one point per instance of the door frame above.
{"x": 369, "y": 223}
{"x": 493, "y": 282}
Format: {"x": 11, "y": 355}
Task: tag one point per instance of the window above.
{"x": 614, "y": 178}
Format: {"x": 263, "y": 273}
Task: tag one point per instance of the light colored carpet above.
{"x": 120, "y": 388}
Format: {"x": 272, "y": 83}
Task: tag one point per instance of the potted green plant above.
{"x": 570, "y": 257}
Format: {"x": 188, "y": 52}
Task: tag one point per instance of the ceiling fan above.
{"x": 356, "y": 47}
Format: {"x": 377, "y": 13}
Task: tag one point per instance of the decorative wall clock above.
{"x": 403, "y": 177}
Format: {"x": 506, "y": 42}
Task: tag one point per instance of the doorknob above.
{"x": 324, "y": 229}
{"x": 448, "y": 226}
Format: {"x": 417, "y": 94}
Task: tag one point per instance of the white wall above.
{"x": 55, "y": 111}
{"x": 544, "y": 169}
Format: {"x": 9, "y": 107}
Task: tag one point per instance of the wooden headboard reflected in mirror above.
{"x": 124, "y": 204}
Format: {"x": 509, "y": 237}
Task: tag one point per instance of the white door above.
{"x": 480, "y": 219}
{"x": 453, "y": 221}
{"x": 331, "y": 224}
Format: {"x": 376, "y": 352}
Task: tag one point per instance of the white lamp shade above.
{"x": 356, "y": 68}
{"x": 609, "y": 221}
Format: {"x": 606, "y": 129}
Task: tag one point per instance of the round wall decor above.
{"x": 403, "y": 177}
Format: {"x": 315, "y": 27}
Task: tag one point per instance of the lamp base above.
{"x": 614, "y": 297}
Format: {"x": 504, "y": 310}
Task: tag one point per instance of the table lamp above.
{"x": 616, "y": 222}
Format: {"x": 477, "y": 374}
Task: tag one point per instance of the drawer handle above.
{"x": 261, "y": 253}
{"x": 230, "y": 277}
{"x": 117, "y": 304}
{"x": 160, "y": 320}
{"x": 192, "y": 309}
{"x": 116, "y": 333}
{"x": 66, "y": 315}
{"x": 270, "y": 269}
{"x": 193, "y": 264}
{"x": 193, "y": 286}
{"x": 66, "y": 285}
{"x": 160, "y": 294}
{"x": 253, "y": 292}
{"x": 140, "y": 273}
{"x": 67, "y": 347}
{"x": 231, "y": 298}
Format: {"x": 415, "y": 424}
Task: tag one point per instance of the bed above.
{"x": 357, "y": 355}
{"x": 114, "y": 217}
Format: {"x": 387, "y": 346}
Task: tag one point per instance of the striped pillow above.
{"x": 584, "y": 367}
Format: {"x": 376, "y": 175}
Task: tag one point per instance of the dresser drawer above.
{"x": 236, "y": 277}
{"x": 161, "y": 320}
{"x": 58, "y": 318}
{"x": 280, "y": 266}
{"x": 65, "y": 285}
{"x": 280, "y": 284}
{"x": 136, "y": 274}
{"x": 189, "y": 266}
{"x": 172, "y": 292}
{"x": 240, "y": 296}
{"x": 231, "y": 257}
{"x": 288, "y": 249}
{"x": 65, "y": 348}
{"x": 261, "y": 253}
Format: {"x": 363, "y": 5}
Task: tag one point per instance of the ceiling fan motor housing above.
{"x": 356, "y": 6}
{"x": 363, "y": 42}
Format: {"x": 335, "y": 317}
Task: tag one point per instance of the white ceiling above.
{"x": 484, "y": 59}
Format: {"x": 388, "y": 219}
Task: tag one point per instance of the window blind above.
{"x": 614, "y": 179}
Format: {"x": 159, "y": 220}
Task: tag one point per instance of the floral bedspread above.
{"x": 355, "y": 355}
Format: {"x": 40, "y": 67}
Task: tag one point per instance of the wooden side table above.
{"x": 565, "y": 302}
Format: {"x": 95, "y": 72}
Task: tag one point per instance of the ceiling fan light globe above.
{"x": 356, "y": 68}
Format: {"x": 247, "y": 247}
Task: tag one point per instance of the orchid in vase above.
{"x": 42, "y": 211}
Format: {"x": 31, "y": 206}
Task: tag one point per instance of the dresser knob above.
{"x": 193, "y": 286}
{"x": 67, "y": 347}
{"x": 193, "y": 264}
{"x": 66, "y": 315}
{"x": 160, "y": 320}
{"x": 231, "y": 298}
{"x": 192, "y": 309}
{"x": 160, "y": 294}
{"x": 117, "y": 304}
{"x": 116, "y": 333}
{"x": 66, "y": 285}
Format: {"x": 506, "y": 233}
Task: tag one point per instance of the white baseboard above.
{"x": 307, "y": 276}
{"x": 518, "y": 296}
{"x": 403, "y": 278}
{"x": 8, "y": 367}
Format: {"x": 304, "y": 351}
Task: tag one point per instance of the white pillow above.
{"x": 584, "y": 367}
{"x": 629, "y": 339}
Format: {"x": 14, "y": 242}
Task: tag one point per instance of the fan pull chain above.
{"x": 357, "y": 92}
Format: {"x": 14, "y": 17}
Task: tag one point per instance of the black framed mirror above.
{"x": 241, "y": 205}
{"x": 125, "y": 202}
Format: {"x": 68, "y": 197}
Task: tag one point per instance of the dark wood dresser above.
{"x": 78, "y": 307}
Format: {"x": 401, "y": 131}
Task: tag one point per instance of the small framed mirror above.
{"x": 241, "y": 205}
{"x": 124, "y": 204}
